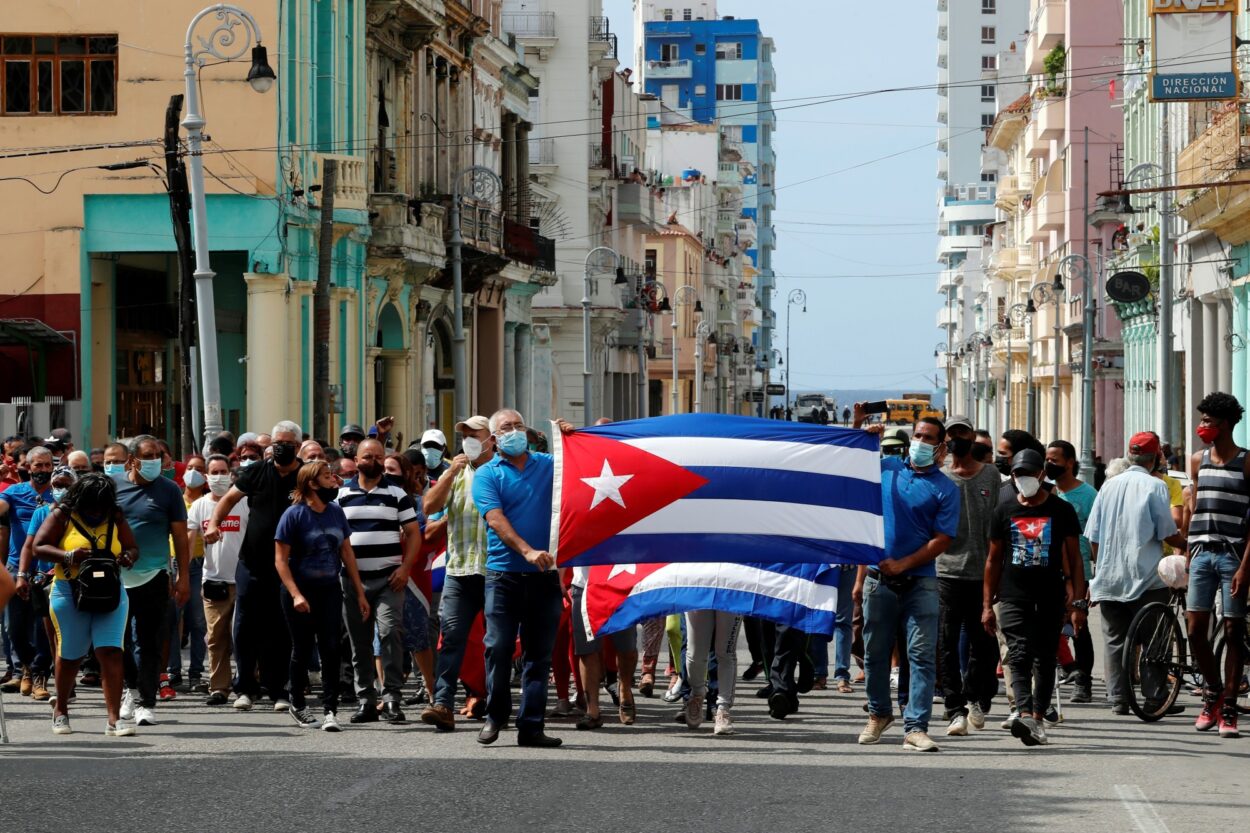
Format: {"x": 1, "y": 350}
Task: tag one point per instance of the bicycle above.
{"x": 1218, "y": 647}
{"x": 1157, "y": 658}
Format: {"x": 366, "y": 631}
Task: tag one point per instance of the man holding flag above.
{"x": 921, "y": 510}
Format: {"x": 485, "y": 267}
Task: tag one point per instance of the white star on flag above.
{"x": 607, "y": 486}
{"x": 617, "y": 569}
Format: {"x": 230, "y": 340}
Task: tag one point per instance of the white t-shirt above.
{"x": 220, "y": 559}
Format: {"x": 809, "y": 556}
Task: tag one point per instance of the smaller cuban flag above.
{"x": 427, "y": 578}
{"x": 619, "y": 596}
{"x": 716, "y": 488}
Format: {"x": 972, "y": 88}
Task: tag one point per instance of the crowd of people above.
{"x": 288, "y": 567}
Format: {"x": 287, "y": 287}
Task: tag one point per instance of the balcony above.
{"x": 951, "y": 243}
{"x": 729, "y": 175}
{"x": 946, "y": 280}
{"x": 1047, "y": 211}
{"x": 351, "y": 187}
{"x": 1008, "y": 192}
{"x": 524, "y": 244}
{"x": 948, "y": 317}
{"x": 1219, "y": 154}
{"x": 746, "y": 230}
{"x": 1005, "y": 259}
{"x": 1046, "y": 31}
{"x": 599, "y": 159}
{"x": 1049, "y": 118}
{"x": 407, "y": 234}
{"x": 602, "y": 39}
{"x": 725, "y": 221}
{"x": 635, "y": 203}
{"x": 542, "y": 152}
{"x": 669, "y": 69}
{"x": 530, "y": 25}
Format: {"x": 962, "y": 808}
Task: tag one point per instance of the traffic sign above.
{"x": 776, "y": 390}
{"x": 753, "y": 395}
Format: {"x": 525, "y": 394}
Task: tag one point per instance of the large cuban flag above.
{"x": 716, "y": 488}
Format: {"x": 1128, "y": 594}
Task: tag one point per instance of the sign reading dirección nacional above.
{"x": 1190, "y": 60}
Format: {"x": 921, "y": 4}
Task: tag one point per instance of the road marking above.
{"x": 1139, "y": 808}
{"x": 359, "y": 788}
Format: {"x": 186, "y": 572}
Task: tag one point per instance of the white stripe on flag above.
{"x": 763, "y": 517}
{"x": 764, "y": 454}
{"x": 743, "y": 577}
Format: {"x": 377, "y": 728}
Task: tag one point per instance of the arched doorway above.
{"x": 440, "y": 395}
{"x": 388, "y": 365}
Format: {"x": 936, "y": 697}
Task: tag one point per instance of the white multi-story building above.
{"x": 971, "y": 35}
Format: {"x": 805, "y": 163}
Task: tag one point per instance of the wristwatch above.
{"x": 22, "y": 574}
{"x": 1081, "y": 605}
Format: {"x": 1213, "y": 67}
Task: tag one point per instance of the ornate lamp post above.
{"x": 798, "y": 298}
{"x": 684, "y": 294}
{"x": 482, "y": 184}
{"x": 1041, "y": 294}
{"x": 588, "y": 385}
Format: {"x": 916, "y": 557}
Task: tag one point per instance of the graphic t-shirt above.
{"x": 1033, "y": 538}
{"x": 220, "y": 559}
{"x": 315, "y": 539}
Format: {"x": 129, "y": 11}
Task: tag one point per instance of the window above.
{"x": 50, "y": 75}
{"x": 685, "y": 14}
{"x": 990, "y": 177}
{"x": 732, "y": 132}
{"x": 668, "y": 52}
{"x": 731, "y": 51}
{"x": 649, "y": 262}
{"x": 988, "y": 6}
{"x": 728, "y": 92}
{"x": 987, "y": 119}
{"x": 987, "y": 92}
{"x": 989, "y": 62}
{"x": 700, "y": 49}
{"x": 700, "y": 89}
{"x": 667, "y": 14}
{"x": 987, "y": 34}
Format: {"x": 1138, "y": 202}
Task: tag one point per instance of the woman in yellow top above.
{"x": 79, "y": 525}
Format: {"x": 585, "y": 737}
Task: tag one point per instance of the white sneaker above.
{"x": 60, "y": 725}
{"x": 724, "y": 722}
{"x": 1028, "y": 730}
{"x": 918, "y": 741}
{"x": 330, "y": 723}
{"x": 120, "y": 729}
{"x": 893, "y": 679}
{"x": 243, "y": 703}
{"x": 958, "y": 726}
{"x": 976, "y": 717}
{"x": 1011, "y": 718}
{"x": 129, "y": 698}
{"x": 281, "y": 705}
{"x": 145, "y": 716}
{"x": 694, "y": 711}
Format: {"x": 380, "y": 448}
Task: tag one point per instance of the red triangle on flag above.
{"x": 607, "y": 588}
{"x": 607, "y": 486}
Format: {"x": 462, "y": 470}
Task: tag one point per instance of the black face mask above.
{"x": 1003, "y": 464}
{"x": 23, "y": 475}
{"x": 1054, "y": 471}
{"x": 981, "y": 452}
{"x": 41, "y": 479}
{"x": 369, "y": 470}
{"x": 284, "y": 453}
{"x": 348, "y": 448}
{"x": 327, "y": 493}
{"x": 98, "y": 467}
{"x": 960, "y": 447}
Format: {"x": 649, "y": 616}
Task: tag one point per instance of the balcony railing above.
{"x": 1217, "y": 153}
{"x": 351, "y": 187}
{"x": 601, "y": 32}
{"x": 598, "y": 158}
{"x": 530, "y": 24}
{"x": 481, "y": 226}
{"x": 542, "y": 151}
{"x": 526, "y": 245}
{"x": 669, "y": 69}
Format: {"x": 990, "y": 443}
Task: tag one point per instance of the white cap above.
{"x": 434, "y": 436}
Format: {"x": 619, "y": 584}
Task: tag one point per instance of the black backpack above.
{"x": 98, "y": 586}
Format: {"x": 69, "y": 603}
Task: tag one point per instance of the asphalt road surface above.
{"x": 215, "y": 769}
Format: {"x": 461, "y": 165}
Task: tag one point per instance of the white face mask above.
{"x": 472, "y": 447}
{"x": 193, "y": 479}
{"x": 1028, "y": 486}
{"x": 219, "y": 484}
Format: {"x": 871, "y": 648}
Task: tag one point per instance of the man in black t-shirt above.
{"x": 1034, "y": 568}
{"x": 261, "y": 638}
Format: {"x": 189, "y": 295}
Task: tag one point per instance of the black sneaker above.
{"x": 217, "y": 698}
{"x": 197, "y": 685}
{"x": 303, "y": 718}
{"x": 753, "y": 671}
{"x": 764, "y": 693}
{"x": 780, "y": 705}
{"x": 1082, "y": 693}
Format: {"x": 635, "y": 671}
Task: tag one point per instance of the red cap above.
{"x": 1144, "y": 442}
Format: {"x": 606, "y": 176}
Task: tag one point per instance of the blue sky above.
{"x": 859, "y": 242}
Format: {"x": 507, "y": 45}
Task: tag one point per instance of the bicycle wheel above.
{"x": 1217, "y": 648}
{"x": 1154, "y": 661}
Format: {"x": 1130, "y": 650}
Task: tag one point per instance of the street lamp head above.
{"x": 665, "y": 306}
{"x": 1030, "y": 308}
{"x": 261, "y": 75}
{"x": 736, "y": 348}
{"x": 698, "y": 306}
{"x": 1057, "y": 286}
{"x": 621, "y": 280}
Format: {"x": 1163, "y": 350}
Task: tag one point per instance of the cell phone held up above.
{"x": 878, "y": 407}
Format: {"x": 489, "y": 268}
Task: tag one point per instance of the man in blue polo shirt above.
{"x": 921, "y": 509}
{"x": 513, "y": 493}
{"x": 30, "y": 640}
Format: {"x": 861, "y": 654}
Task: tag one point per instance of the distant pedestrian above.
{"x": 846, "y": 416}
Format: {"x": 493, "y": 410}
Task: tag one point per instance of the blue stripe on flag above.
{"x": 713, "y": 548}
{"x": 727, "y": 483}
{"x": 726, "y": 426}
{"x": 668, "y": 600}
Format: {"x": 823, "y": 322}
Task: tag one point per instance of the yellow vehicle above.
{"x": 907, "y": 411}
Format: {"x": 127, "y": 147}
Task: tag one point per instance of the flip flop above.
{"x": 587, "y": 722}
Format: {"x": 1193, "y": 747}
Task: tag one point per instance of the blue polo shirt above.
{"x": 23, "y": 499}
{"x": 916, "y": 506}
{"x": 524, "y": 497}
{"x": 150, "y": 510}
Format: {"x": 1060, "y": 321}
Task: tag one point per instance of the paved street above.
{"x": 258, "y": 771}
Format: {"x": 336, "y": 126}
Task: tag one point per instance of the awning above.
{"x": 29, "y": 332}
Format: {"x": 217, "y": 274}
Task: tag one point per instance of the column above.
{"x": 507, "y": 169}
{"x": 510, "y": 366}
{"x": 1239, "y": 349}
{"x": 1210, "y": 348}
{"x": 99, "y": 356}
{"x": 1223, "y": 344}
{"x": 1189, "y": 319}
{"x": 524, "y": 359}
{"x": 524, "y": 209}
{"x": 268, "y": 348}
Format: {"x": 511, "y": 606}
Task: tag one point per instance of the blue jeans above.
{"x": 915, "y": 610}
{"x": 842, "y": 627}
{"x": 30, "y": 641}
{"x": 1210, "y": 572}
{"x": 197, "y": 625}
{"x": 463, "y": 599}
{"x": 528, "y": 603}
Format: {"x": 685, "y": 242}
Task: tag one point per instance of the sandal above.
{"x": 628, "y": 712}
{"x": 587, "y": 722}
{"x": 844, "y": 687}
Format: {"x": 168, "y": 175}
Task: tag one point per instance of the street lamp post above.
{"x": 1039, "y": 295}
{"x": 682, "y": 295}
{"x": 797, "y": 298}
{"x": 1087, "y": 364}
{"x": 973, "y": 346}
{"x": 482, "y": 184}
{"x": 588, "y": 384}
{"x": 1017, "y": 315}
{"x": 703, "y": 331}
{"x": 223, "y": 44}
{"x": 999, "y": 332}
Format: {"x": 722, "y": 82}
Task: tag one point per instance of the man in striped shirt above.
{"x": 1217, "y": 537}
{"x": 386, "y": 537}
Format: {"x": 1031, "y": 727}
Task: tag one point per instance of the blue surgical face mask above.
{"x": 59, "y": 494}
{"x": 433, "y": 456}
{"x": 513, "y": 443}
{"x": 921, "y": 454}
{"x": 114, "y": 469}
{"x": 149, "y": 470}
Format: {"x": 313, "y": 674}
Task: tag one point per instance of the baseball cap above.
{"x": 1027, "y": 460}
{"x": 352, "y": 430}
{"x": 892, "y": 438}
{"x": 1143, "y": 442}
{"x": 956, "y": 421}
{"x": 59, "y": 436}
{"x": 473, "y": 423}
{"x": 434, "y": 435}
